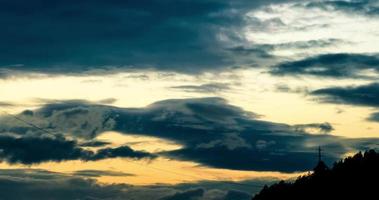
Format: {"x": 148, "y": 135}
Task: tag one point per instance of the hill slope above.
{"x": 355, "y": 177}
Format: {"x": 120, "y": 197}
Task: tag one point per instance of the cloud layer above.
{"x": 16, "y": 184}
{"x": 31, "y": 150}
{"x": 206, "y": 128}
{"x": 70, "y": 36}
{"x": 340, "y": 65}
{"x": 363, "y": 95}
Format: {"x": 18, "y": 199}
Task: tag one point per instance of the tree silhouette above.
{"x": 355, "y": 177}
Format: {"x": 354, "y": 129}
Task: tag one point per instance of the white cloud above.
{"x": 294, "y": 22}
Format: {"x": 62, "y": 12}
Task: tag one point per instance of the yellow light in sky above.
{"x": 161, "y": 170}
{"x": 251, "y": 89}
{"x": 137, "y": 142}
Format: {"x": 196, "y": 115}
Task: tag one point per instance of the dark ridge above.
{"x": 354, "y": 177}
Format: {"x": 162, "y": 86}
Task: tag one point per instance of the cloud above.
{"x": 363, "y": 95}
{"x": 40, "y": 184}
{"x": 94, "y": 143}
{"x": 33, "y": 184}
{"x": 190, "y": 194}
{"x": 264, "y": 50}
{"x": 232, "y": 194}
{"x": 285, "y": 88}
{"x": 366, "y": 7}
{"x": 204, "y": 88}
{"x": 294, "y": 30}
{"x": 30, "y": 173}
{"x": 28, "y": 150}
{"x": 260, "y": 50}
{"x": 320, "y": 43}
{"x": 322, "y": 128}
{"x": 374, "y": 117}
{"x": 205, "y": 128}
{"x": 122, "y": 151}
{"x": 247, "y": 158}
{"x": 6, "y": 104}
{"x": 340, "y": 65}
{"x": 32, "y": 150}
{"x": 75, "y": 37}
{"x": 108, "y": 101}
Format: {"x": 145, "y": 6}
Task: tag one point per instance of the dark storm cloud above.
{"x": 32, "y": 150}
{"x": 29, "y": 150}
{"x": 330, "y": 65}
{"x": 34, "y": 184}
{"x": 205, "y": 127}
{"x": 366, "y": 7}
{"x": 244, "y": 158}
{"x": 363, "y": 95}
{"x": 80, "y": 36}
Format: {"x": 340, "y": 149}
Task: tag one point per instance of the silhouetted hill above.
{"x": 355, "y": 177}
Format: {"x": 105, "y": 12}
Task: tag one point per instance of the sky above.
{"x": 184, "y": 99}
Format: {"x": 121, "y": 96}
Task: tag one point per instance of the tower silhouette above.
{"x": 321, "y": 167}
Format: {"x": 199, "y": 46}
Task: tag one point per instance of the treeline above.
{"x": 355, "y": 177}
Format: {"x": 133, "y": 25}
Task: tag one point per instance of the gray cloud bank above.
{"x": 211, "y": 131}
{"x": 79, "y": 36}
{"x": 31, "y": 150}
{"x": 71, "y": 37}
{"x": 363, "y": 95}
{"x": 340, "y": 65}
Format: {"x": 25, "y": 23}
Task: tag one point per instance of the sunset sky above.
{"x": 181, "y": 99}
